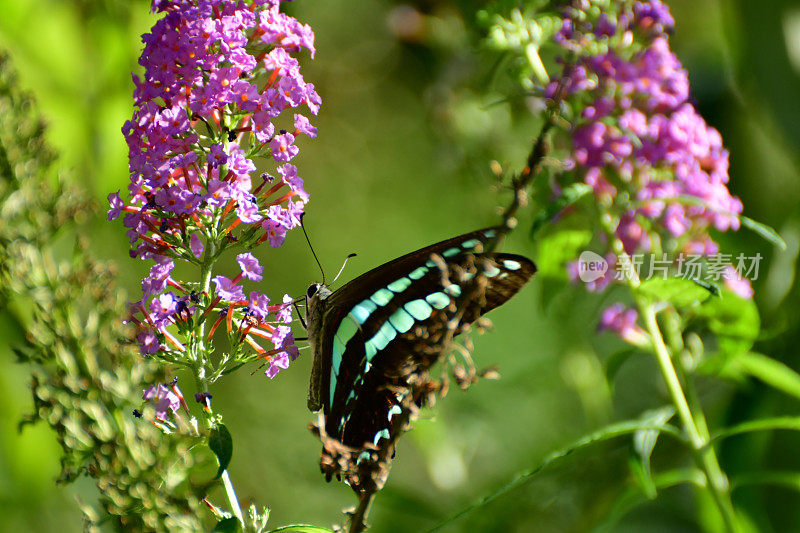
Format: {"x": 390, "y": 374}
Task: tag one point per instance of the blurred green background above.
{"x": 406, "y": 133}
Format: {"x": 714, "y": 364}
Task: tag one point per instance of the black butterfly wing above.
{"x": 377, "y": 278}
{"x": 389, "y": 323}
{"x": 340, "y": 303}
{"x": 365, "y": 413}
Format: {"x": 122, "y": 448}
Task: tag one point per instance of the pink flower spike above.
{"x": 202, "y": 116}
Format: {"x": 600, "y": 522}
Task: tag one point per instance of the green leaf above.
{"x": 642, "y": 474}
{"x": 712, "y": 288}
{"x": 221, "y": 444}
{"x": 766, "y": 232}
{"x": 680, "y": 292}
{"x": 770, "y": 371}
{"x": 789, "y": 480}
{"x": 228, "y": 525}
{"x": 554, "y": 248}
{"x": 558, "y": 248}
{"x": 791, "y": 423}
{"x": 734, "y": 320}
{"x": 719, "y": 365}
{"x": 232, "y": 369}
{"x": 644, "y": 441}
{"x": 300, "y": 528}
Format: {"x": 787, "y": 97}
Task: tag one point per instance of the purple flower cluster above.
{"x": 650, "y": 158}
{"x": 250, "y": 316}
{"x": 204, "y": 113}
{"x": 622, "y": 321}
{"x": 219, "y": 78}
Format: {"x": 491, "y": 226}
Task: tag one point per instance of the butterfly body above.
{"x": 372, "y": 337}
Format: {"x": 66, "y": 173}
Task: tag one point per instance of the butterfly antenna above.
{"x": 299, "y": 315}
{"x": 312, "y": 249}
{"x": 346, "y": 259}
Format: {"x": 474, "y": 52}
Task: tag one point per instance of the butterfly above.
{"x": 374, "y": 334}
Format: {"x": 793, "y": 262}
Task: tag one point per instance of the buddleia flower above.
{"x": 657, "y": 171}
{"x": 222, "y": 94}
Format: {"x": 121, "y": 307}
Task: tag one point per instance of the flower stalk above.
{"x": 691, "y": 416}
{"x": 692, "y": 420}
{"x": 690, "y": 413}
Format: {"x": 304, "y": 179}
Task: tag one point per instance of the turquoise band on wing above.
{"x": 382, "y": 296}
{"x": 399, "y": 285}
{"x": 383, "y": 337}
{"x": 419, "y": 309}
{"x": 439, "y": 300}
{"x": 418, "y": 273}
{"x": 361, "y": 312}
{"x": 401, "y": 320}
{"x": 333, "y": 387}
{"x": 347, "y": 328}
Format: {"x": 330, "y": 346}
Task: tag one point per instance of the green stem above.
{"x": 202, "y": 385}
{"x": 693, "y": 424}
{"x": 232, "y": 499}
{"x": 201, "y": 381}
{"x": 535, "y": 62}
